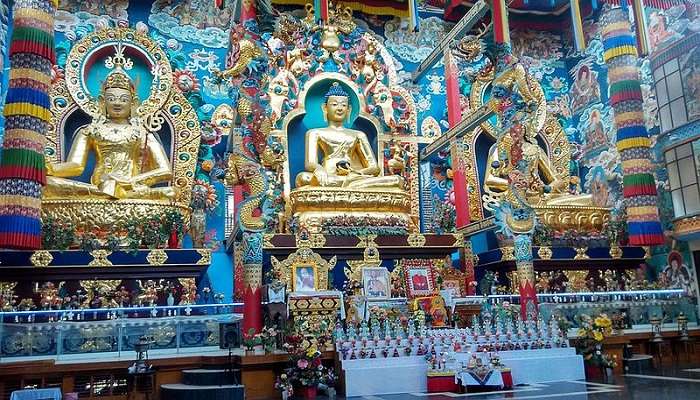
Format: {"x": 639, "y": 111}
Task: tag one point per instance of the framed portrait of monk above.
{"x": 375, "y": 282}
{"x": 304, "y": 278}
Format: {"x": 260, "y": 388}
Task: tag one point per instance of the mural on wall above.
{"x": 585, "y": 89}
{"x": 690, "y": 76}
{"x": 74, "y": 17}
{"x": 195, "y": 21}
{"x": 670, "y": 25}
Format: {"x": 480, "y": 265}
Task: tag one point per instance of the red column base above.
{"x": 528, "y": 301}
{"x": 252, "y": 309}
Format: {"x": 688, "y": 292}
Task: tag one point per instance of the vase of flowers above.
{"x": 591, "y": 334}
{"x": 306, "y": 370}
{"x": 284, "y": 385}
{"x": 250, "y": 340}
{"x": 268, "y": 339}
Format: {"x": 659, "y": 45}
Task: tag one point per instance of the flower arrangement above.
{"x": 251, "y": 339}
{"x": 592, "y": 332}
{"x": 268, "y": 339}
{"x": 284, "y": 385}
{"x": 305, "y": 359}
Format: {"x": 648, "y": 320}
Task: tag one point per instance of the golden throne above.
{"x": 168, "y": 122}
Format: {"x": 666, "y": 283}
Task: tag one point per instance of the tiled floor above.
{"x": 667, "y": 384}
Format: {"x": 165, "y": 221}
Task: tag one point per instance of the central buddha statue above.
{"x": 129, "y": 161}
{"x": 348, "y": 160}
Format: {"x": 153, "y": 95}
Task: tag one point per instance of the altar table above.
{"x": 377, "y": 376}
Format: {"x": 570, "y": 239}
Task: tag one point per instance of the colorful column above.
{"x": 526, "y": 276}
{"x": 27, "y": 112}
{"x": 252, "y": 280}
{"x": 633, "y": 143}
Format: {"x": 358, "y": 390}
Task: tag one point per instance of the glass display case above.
{"x": 57, "y": 333}
{"x": 632, "y": 308}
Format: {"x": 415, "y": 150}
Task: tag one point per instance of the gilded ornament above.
{"x": 459, "y": 241}
{"x": 545, "y": 253}
{"x": 647, "y": 252}
{"x": 615, "y": 252}
{"x": 507, "y": 253}
{"x": 416, "y": 240}
{"x": 205, "y": 256}
{"x": 581, "y": 253}
{"x": 370, "y": 258}
{"x": 367, "y": 241}
{"x": 41, "y": 258}
{"x": 157, "y": 257}
{"x": 267, "y": 241}
{"x": 577, "y": 280}
{"x": 99, "y": 258}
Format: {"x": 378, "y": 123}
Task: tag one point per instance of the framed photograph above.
{"x": 454, "y": 286}
{"x": 419, "y": 280}
{"x": 375, "y": 282}
{"x": 305, "y": 278}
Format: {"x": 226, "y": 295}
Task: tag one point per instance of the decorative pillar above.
{"x": 633, "y": 143}
{"x": 526, "y": 276}
{"x": 640, "y": 27}
{"x": 577, "y": 25}
{"x": 501, "y": 28}
{"x": 27, "y": 112}
{"x": 252, "y": 280}
{"x": 454, "y": 116}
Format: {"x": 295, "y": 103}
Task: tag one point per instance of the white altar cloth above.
{"x": 377, "y": 376}
{"x": 538, "y": 366}
{"x": 466, "y": 379}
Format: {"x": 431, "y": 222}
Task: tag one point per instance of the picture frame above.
{"x": 304, "y": 278}
{"x": 454, "y": 286}
{"x": 376, "y": 283}
{"x": 419, "y": 280}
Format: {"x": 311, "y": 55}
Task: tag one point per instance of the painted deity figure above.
{"x": 347, "y": 156}
{"x": 585, "y": 89}
{"x": 129, "y": 161}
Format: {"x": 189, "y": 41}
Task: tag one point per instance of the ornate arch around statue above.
{"x": 164, "y": 109}
{"x": 552, "y": 134}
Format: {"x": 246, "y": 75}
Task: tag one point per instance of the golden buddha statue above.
{"x": 129, "y": 161}
{"x": 348, "y": 160}
{"x": 342, "y": 187}
{"x": 540, "y": 176}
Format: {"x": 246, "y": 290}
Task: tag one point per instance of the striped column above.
{"x": 633, "y": 143}
{"x": 27, "y": 112}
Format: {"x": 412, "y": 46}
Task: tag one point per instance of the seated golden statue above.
{"x": 116, "y": 168}
{"x": 342, "y": 188}
{"x": 540, "y": 175}
{"x": 348, "y": 159}
{"x": 128, "y": 159}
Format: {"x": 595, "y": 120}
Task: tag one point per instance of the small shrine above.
{"x": 295, "y": 199}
